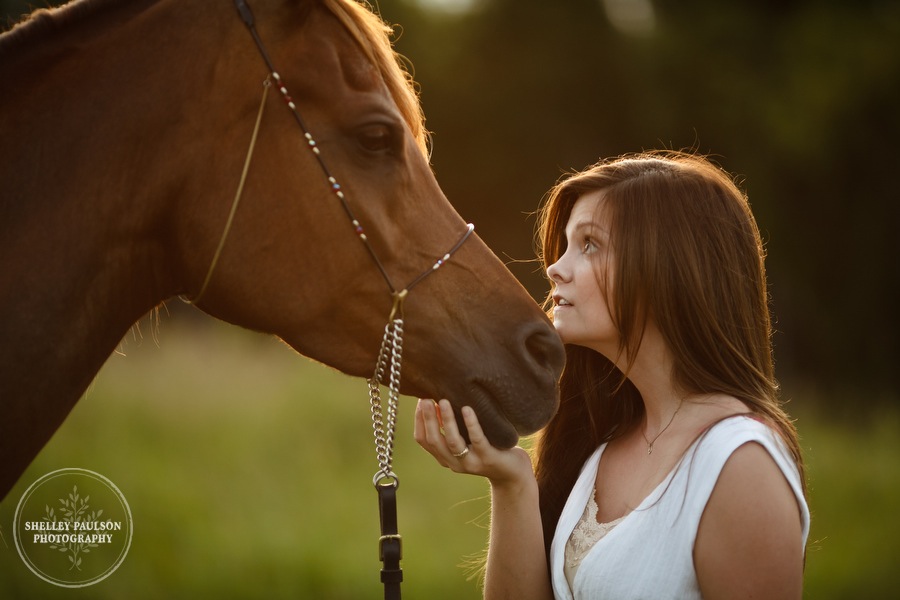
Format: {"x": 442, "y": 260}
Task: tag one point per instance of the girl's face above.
{"x": 582, "y": 279}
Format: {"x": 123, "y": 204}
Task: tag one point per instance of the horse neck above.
{"x": 93, "y": 158}
{"x": 87, "y": 133}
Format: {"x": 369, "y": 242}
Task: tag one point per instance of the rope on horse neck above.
{"x": 237, "y": 198}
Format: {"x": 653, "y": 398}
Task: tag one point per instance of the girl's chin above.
{"x": 567, "y": 333}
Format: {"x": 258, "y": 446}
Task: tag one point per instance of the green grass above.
{"x": 249, "y": 470}
{"x": 854, "y": 496}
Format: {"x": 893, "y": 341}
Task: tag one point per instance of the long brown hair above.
{"x": 687, "y": 250}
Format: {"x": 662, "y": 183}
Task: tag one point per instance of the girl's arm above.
{"x": 749, "y": 542}
{"x": 516, "y": 567}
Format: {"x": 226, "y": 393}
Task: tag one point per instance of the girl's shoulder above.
{"x": 746, "y": 423}
{"x": 746, "y": 450}
{"x": 723, "y": 436}
{"x": 756, "y": 519}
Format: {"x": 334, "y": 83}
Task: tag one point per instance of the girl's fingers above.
{"x": 457, "y": 447}
{"x": 428, "y": 431}
{"x": 419, "y": 423}
{"x": 455, "y": 441}
{"x": 476, "y": 434}
{"x": 449, "y": 447}
{"x": 437, "y": 412}
{"x": 437, "y": 432}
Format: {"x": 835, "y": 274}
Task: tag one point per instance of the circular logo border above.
{"x": 59, "y": 473}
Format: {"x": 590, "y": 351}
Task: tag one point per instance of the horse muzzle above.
{"x": 522, "y": 398}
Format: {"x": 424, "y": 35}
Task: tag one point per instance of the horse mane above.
{"x": 374, "y": 37}
{"x": 45, "y": 22}
{"x": 368, "y": 29}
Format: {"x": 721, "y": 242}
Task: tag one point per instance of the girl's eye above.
{"x": 588, "y": 246}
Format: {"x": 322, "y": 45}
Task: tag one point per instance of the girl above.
{"x": 670, "y": 469}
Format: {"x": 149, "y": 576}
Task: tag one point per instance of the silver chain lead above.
{"x": 389, "y": 359}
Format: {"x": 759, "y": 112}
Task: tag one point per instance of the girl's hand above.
{"x": 437, "y": 432}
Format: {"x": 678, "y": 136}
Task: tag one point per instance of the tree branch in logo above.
{"x": 74, "y": 510}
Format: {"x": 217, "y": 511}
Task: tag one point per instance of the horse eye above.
{"x": 375, "y": 138}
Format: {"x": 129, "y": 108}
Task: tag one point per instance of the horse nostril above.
{"x": 544, "y": 349}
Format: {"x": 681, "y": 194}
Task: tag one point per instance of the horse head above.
{"x": 294, "y": 265}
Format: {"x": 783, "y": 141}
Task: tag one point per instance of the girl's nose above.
{"x": 556, "y": 272}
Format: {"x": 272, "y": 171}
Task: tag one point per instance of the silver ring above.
{"x": 462, "y": 454}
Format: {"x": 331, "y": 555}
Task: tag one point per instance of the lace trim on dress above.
{"x": 585, "y": 535}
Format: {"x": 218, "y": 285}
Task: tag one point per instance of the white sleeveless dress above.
{"x": 648, "y": 553}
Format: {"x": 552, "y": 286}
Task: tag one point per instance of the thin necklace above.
{"x": 662, "y": 431}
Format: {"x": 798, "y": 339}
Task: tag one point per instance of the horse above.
{"x": 124, "y": 128}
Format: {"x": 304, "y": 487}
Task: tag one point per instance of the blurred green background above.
{"x": 248, "y": 471}
{"x": 267, "y": 459}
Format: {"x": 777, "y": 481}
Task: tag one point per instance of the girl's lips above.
{"x": 560, "y": 301}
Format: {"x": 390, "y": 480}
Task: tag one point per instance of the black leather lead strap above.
{"x": 390, "y": 545}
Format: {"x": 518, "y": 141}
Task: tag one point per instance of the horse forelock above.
{"x": 374, "y": 37}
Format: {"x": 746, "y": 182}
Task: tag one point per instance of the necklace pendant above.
{"x": 649, "y": 449}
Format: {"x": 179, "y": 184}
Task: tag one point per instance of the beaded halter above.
{"x": 247, "y": 16}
